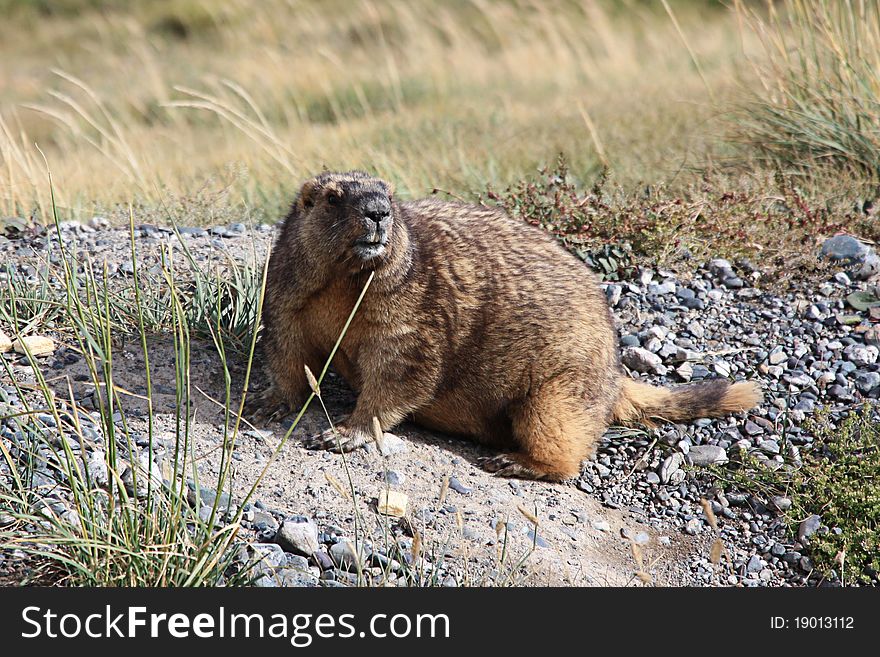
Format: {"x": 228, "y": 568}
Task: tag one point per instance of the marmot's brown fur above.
{"x": 475, "y": 324}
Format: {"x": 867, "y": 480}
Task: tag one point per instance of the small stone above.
{"x": 394, "y": 478}
{"x": 641, "y": 360}
{"x": 752, "y": 429}
{"x": 346, "y": 557}
{"x": 205, "y": 496}
{"x": 653, "y": 345}
{"x": 777, "y": 356}
{"x": 37, "y": 345}
{"x": 295, "y": 578}
{"x": 792, "y": 557}
{"x": 696, "y": 329}
{"x": 781, "y": 503}
{"x": 296, "y": 561}
{"x": 601, "y": 526}
{"x": 706, "y": 455}
{"x": 769, "y": 446}
{"x": 861, "y": 355}
{"x": 269, "y": 554}
{"x": 685, "y": 372}
{"x": 299, "y": 537}
{"x": 652, "y": 478}
{"x": 613, "y": 294}
{"x": 392, "y": 444}
{"x": 699, "y": 372}
{"x": 840, "y": 393}
{"x": 324, "y": 560}
{"x": 692, "y": 527}
{"x": 536, "y": 540}
{"x": 192, "y": 231}
{"x": 670, "y": 465}
{"x": 844, "y": 247}
{"x": 458, "y": 487}
{"x": 755, "y": 564}
{"x": 5, "y": 343}
{"x": 867, "y": 381}
{"x": 808, "y": 527}
{"x": 392, "y": 503}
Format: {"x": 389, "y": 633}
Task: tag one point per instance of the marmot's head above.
{"x": 349, "y": 214}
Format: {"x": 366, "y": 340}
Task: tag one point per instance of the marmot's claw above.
{"x": 265, "y": 407}
{"x": 504, "y": 465}
{"x": 497, "y": 464}
{"x": 338, "y": 439}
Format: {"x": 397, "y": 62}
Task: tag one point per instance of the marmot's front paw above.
{"x": 338, "y": 439}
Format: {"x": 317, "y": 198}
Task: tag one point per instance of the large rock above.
{"x": 298, "y": 536}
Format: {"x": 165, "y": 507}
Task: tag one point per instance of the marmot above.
{"x": 475, "y": 324}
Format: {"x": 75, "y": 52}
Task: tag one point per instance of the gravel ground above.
{"x": 809, "y": 349}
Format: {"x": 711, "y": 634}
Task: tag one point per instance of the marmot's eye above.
{"x": 333, "y": 198}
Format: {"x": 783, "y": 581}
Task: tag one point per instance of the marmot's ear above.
{"x": 308, "y": 194}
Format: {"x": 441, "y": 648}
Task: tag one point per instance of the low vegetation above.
{"x": 838, "y": 483}
{"x": 129, "y": 521}
{"x": 612, "y": 231}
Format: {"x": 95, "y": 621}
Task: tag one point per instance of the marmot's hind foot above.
{"x": 522, "y": 466}
{"x": 507, "y": 465}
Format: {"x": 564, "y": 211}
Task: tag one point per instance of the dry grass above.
{"x": 818, "y": 104}
{"x": 161, "y": 98}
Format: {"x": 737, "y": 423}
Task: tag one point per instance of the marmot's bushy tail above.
{"x": 647, "y": 404}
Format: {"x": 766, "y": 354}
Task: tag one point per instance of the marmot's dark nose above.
{"x": 377, "y": 208}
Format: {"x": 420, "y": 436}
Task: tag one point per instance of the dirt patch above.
{"x": 578, "y": 540}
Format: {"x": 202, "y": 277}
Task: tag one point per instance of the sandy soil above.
{"x": 579, "y": 541}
